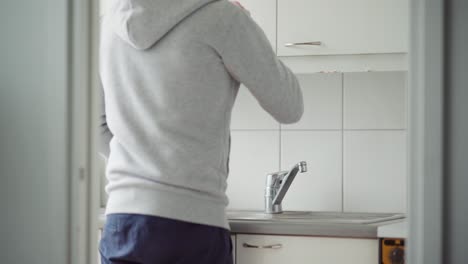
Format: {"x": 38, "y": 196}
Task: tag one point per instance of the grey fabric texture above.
{"x": 170, "y": 72}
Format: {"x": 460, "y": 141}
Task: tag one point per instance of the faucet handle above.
{"x": 274, "y": 179}
{"x": 302, "y": 166}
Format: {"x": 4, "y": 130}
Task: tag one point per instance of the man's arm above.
{"x": 104, "y": 132}
{"x": 249, "y": 58}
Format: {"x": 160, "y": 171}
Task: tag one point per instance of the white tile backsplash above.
{"x": 248, "y": 114}
{"x": 352, "y": 135}
{"x": 357, "y": 168}
{"x": 322, "y": 95}
{"x": 375, "y": 100}
{"x": 319, "y": 189}
{"x": 254, "y": 154}
{"x": 375, "y": 171}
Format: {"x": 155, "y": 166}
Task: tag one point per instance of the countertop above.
{"x": 394, "y": 230}
{"x": 304, "y": 228}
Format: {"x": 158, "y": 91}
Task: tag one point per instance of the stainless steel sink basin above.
{"x": 315, "y": 217}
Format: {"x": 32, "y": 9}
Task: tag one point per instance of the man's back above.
{"x": 170, "y": 81}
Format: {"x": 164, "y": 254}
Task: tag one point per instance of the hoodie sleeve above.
{"x": 105, "y": 135}
{"x": 250, "y": 59}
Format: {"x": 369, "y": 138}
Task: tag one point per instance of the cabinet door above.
{"x": 260, "y": 249}
{"x": 342, "y": 26}
{"x": 264, "y": 13}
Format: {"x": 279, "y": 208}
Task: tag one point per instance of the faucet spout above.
{"x": 277, "y": 185}
{"x": 287, "y": 181}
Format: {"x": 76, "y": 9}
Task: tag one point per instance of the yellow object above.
{"x": 392, "y": 251}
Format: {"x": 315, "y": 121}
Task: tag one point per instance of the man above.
{"x": 170, "y": 72}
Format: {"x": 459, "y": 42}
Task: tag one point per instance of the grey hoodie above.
{"x": 170, "y": 72}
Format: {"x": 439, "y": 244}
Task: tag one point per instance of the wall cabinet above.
{"x": 301, "y": 250}
{"x": 342, "y": 26}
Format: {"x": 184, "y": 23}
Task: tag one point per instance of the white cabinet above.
{"x": 304, "y": 250}
{"x": 343, "y": 26}
{"x": 264, "y": 13}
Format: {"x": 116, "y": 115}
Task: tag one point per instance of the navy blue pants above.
{"x": 141, "y": 239}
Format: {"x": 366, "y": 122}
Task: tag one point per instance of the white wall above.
{"x": 352, "y": 134}
{"x": 33, "y": 129}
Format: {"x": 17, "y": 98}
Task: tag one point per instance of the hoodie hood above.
{"x": 142, "y": 23}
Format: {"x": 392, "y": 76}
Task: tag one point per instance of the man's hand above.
{"x": 237, "y": 3}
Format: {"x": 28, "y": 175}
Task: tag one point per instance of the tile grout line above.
{"x": 276, "y": 28}
{"x": 342, "y": 142}
{"x": 255, "y": 130}
{"x": 375, "y": 129}
{"x": 279, "y": 125}
{"x": 320, "y": 130}
{"x": 280, "y": 146}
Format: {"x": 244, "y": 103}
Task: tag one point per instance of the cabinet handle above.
{"x": 312, "y": 43}
{"x": 274, "y": 246}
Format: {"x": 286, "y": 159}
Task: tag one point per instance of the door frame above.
{"x": 83, "y": 28}
{"x": 426, "y": 132}
{"x": 425, "y": 123}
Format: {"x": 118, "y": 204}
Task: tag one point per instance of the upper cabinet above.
{"x": 341, "y": 27}
{"x": 264, "y": 13}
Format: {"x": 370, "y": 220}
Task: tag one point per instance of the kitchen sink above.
{"x": 314, "y": 217}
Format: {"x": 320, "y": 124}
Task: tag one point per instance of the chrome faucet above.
{"x": 277, "y": 184}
